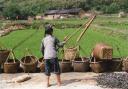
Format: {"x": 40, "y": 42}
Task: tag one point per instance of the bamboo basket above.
{"x": 29, "y": 63}
{"x": 102, "y": 52}
{"x": 97, "y": 67}
{"x": 71, "y": 53}
{"x": 81, "y": 65}
{"x": 3, "y": 55}
{"x": 115, "y": 64}
{"x": 41, "y": 64}
{"x": 11, "y": 65}
{"x": 65, "y": 66}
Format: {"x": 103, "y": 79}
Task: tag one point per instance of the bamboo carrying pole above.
{"x": 70, "y": 36}
{"x": 87, "y": 26}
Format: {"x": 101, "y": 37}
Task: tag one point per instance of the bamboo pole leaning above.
{"x": 86, "y": 27}
{"x": 70, "y": 36}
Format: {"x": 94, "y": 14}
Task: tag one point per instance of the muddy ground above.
{"x": 72, "y": 80}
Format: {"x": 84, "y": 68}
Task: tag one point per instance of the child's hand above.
{"x": 65, "y": 38}
{"x": 63, "y": 42}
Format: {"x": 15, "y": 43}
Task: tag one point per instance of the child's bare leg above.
{"x": 58, "y": 79}
{"x": 48, "y": 79}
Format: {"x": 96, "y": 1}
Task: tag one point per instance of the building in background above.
{"x": 64, "y": 13}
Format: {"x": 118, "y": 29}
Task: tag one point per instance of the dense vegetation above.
{"x": 24, "y": 8}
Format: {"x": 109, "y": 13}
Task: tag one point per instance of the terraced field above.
{"x": 108, "y": 29}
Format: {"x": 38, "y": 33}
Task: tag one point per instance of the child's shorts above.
{"x": 52, "y": 65}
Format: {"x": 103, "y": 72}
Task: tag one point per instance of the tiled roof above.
{"x": 63, "y": 11}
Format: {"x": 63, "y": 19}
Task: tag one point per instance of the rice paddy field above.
{"x": 107, "y": 29}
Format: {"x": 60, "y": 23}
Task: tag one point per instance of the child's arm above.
{"x": 58, "y": 43}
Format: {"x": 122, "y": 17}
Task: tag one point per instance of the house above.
{"x": 64, "y": 13}
{"x": 38, "y": 17}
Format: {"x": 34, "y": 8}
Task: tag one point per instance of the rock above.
{"x": 20, "y": 79}
{"x": 113, "y": 80}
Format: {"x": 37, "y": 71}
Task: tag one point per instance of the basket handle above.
{"x": 14, "y": 57}
{"x": 82, "y": 58}
{"x": 126, "y": 58}
{"x": 75, "y": 55}
{"x": 11, "y": 54}
{"x": 78, "y": 50}
{"x": 77, "y": 47}
{"x": 28, "y": 53}
{"x": 43, "y": 60}
{"x": 7, "y": 58}
{"x": 62, "y": 51}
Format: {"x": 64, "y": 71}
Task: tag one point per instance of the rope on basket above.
{"x": 13, "y": 56}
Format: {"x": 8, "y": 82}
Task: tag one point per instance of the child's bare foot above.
{"x": 48, "y": 85}
{"x": 58, "y": 80}
{"x": 59, "y": 84}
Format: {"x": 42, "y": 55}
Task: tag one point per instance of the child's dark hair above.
{"x": 48, "y": 30}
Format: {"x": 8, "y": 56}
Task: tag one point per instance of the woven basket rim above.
{"x": 4, "y": 50}
{"x": 96, "y": 62}
{"x": 29, "y": 64}
{"x": 65, "y": 62}
{"x": 40, "y": 59}
{"x": 81, "y": 61}
{"x": 35, "y": 60}
{"x": 16, "y": 60}
{"x": 70, "y": 49}
{"x": 7, "y": 63}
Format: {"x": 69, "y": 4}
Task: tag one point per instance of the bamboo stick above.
{"x": 68, "y": 37}
{"x": 87, "y": 26}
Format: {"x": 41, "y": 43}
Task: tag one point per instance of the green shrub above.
{"x": 113, "y": 8}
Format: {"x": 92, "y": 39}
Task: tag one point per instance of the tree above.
{"x": 11, "y": 10}
{"x": 113, "y": 8}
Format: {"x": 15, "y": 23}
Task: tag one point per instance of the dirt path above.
{"x": 71, "y": 80}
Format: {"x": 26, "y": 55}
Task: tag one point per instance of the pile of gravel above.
{"x": 113, "y": 80}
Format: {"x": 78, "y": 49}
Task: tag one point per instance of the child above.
{"x": 49, "y": 47}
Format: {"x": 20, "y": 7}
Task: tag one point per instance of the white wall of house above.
{"x": 38, "y": 17}
{"x": 80, "y": 14}
{"x": 51, "y": 17}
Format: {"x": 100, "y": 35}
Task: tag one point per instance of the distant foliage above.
{"x": 113, "y": 8}
{"x": 11, "y": 10}
{"x": 24, "y": 8}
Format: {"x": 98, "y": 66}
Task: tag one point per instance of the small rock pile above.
{"x": 113, "y": 80}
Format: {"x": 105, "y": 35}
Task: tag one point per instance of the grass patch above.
{"x": 87, "y": 43}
